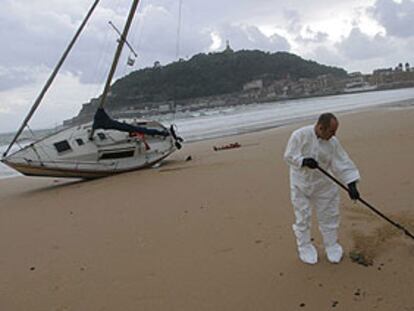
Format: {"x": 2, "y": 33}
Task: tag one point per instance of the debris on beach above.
{"x": 189, "y": 158}
{"x": 360, "y": 258}
{"x": 367, "y": 246}
{"x": 228, "y": 146}
{"x": 359, "y": 294}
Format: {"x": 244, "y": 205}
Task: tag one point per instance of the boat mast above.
{"x": 118, "y": 52}
{"x": 52, "y": 76}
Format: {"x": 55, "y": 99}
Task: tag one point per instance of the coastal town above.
{"x": 265, "y": 89}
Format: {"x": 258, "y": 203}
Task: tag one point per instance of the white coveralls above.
{"x": 309, "y": 187}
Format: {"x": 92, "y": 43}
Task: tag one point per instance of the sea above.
{"x": 225, "y": 121}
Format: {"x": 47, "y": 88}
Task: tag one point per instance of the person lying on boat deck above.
{"x": 103, "y": 121}
{"x": 309, "y": 147}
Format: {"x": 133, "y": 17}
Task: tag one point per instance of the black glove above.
{"x": 353, "y": 191}
{"x": 310, "y": 162}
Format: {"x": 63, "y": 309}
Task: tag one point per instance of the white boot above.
{"x": 334, "y": 253}
{"x": 308, "y": 254}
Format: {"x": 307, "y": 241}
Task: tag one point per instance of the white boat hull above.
{"x": 70, "y": 153}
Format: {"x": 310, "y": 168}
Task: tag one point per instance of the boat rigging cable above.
{"x": 177, "y": 49}
{"x": 52, "y": 77}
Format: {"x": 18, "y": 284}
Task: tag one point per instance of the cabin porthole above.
{"x": 101, "y": 136}
{"x": 62, "y": 146}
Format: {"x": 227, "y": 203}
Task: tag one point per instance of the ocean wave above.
{"x": 225, "y": 121}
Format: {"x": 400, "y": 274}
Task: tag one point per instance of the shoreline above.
{"x": 277, "y": 102}
{"x": 407, "y": 103}
{"x": 232, "y": 98}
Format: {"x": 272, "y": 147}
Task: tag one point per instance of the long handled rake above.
{"x": 395, "y": 224}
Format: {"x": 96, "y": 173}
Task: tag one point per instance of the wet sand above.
{"x": 212, "y": 233}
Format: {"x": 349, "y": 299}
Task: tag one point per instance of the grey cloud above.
{"x": 157, "y": 38}
{"x": 294, "y": 23}
{"x": 359, "y": 46}
{"x": 409, "y": 45}
{"x": 15, "y": 77}
{"x": 38, "y": 37}
{"x": 327, "y": 56}
{"x": 250, "y": 37}
{"x": 312, "y": 36}
{"x": 279, "y": 43}
{"x": 396, "y": 18}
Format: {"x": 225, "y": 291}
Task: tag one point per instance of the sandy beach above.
{"x": 212, "y": 233}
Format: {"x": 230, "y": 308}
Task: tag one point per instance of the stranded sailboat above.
{"x": 99, "y": 148}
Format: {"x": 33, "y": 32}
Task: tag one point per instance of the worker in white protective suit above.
{"x": 309, "y": 147}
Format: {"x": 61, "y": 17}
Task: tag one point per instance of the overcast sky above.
{"x": 348, "y": 34}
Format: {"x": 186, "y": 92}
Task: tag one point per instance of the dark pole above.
{"x": 118, "y": 52}
{"x": 115, "y": 61}
{"x": 368, "y": 205}
{"x": 52, "y": 76}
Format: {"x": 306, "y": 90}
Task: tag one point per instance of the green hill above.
{"x": 204, "y": 75}
{"x": 212, "y": 74}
